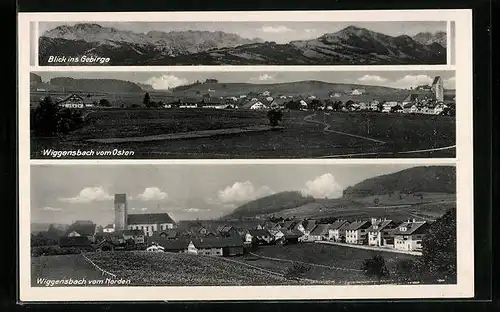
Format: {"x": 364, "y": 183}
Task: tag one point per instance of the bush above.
{"x": 375, "y": 267}
{"x": 296, "y": 270}
{"x": 49, "y": 119}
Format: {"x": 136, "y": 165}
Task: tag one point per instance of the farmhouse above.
{"x": 320, "y": 232}
{"x": 110, "y": 228}
{"x": 254, "y": 105}
{"x": 136, "y": 235}
{"x": 177, "y": 245}
{"x": 379, "y": 233}
{"x": 409, "y": 235}
{"x": 374, "y": 105}
{"x": 82, "y": 228}
{"x": 266, "y": 93}
{"x": 74, "y": 101}
{"x": 214, "y": 246}
{"x": 261, "y": 237}
{"x": 356, "y": 232}
{"x": 166, "y": 234}
{"x": 336, "y": 232}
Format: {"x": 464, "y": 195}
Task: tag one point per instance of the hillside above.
{"x": 435, "y": 184}
{"x": 432, "y": 179}
{"x": 88, "y": 85}
{"x": 351, "y": 45}
{"x": 270, "y": 204}
{"x": 429, "y": 38}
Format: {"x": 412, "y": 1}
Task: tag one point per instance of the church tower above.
{"x": 120, "y": 212}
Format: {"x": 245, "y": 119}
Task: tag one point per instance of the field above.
{"x": 305, "y": 134}
{"x": 328, "y": 264}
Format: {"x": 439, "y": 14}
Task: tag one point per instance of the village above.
{"x": 424, "y": 99}
{"x": 159, "y": 232}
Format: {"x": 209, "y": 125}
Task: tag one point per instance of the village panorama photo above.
{"x": 120, "y": 43}
{"x": 233, "y": 225}
{"x": 243, "y": 114}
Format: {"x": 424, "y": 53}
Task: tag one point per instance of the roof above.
{"x": 71, "y": 96}
{"x": 292, "y": 234}
{"x": 310, "y": 225}
{"x": 109, "y": 226}
{"x": 320, "y": 229}
{"x": 338, "y": 224}
{"x": 356, "y": 225}
{"x": 411, "y": 227}
{"x": 170, "y": 234}
{"x": 171, "y": 244}
{"x": 133, "y": 232}
{"x": 380, "y": 226}
{"x": 436, "y": 79}
{"x": 259, "y": 232}
{"x": 288, "y": 224}
{"x": 217, "y": 242}
{"x": 74, "y": 241}
{"x": 149, "y": 218}
{"x": 84, "y": 228}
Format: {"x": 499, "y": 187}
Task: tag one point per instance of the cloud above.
{"x": 243, "y": 191}
{"x": 275, "y": 29}
{"x": 310, "y": 30}
{"x": 88, "y": 195}
{"x": 165, "y": 82}
{"x": 264, "y": 77}
{"x": 323, "y": 186}
{"x": 152, "y": 193}
{"x": 51, "y": 209}
{"x": 449, "y": 83}
{"x": 372, "y": 78}
{"x": 412, "y": 81}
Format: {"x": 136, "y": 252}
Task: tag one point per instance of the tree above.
{"x": 375, "y": 267}
{"x": 146, "y": 99}
{"x": 275, "y": 116}
{"x": 45, "y": 120}
{"x": 439, "y": 248}
{"x": 104, "y": 103}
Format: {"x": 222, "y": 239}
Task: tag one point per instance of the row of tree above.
{"x": 50, "y": 119}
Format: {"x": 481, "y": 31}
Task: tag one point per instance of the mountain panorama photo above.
{"x": 95, "y": 44}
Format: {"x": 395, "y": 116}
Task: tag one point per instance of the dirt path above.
{"x": 307, "y": 263}
{"x": 185, "y": 135}
{"x": 327, "y": 129}
{"x": 413, "y": 253}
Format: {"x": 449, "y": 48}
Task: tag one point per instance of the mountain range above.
{"x": 425, "y": 179}
{"x": 430, "y": 38}
{"x": 351, "y": 45}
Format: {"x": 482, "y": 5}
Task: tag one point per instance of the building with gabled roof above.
{"x": 408, "y": 235}
{"x": 336, "y": 232}
{"x": 320, "y": 232}
{"x": 84, "y": 228}
{"x": 356, "y": 232}
{"x": 379, "y": 233}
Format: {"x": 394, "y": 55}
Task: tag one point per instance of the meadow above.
{"x": 349, "y": 134}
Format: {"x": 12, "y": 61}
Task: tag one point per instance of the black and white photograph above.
{"x": 237, "y": 225}
{"x": 231, "y": 115}
{"x": 123, "y": 43}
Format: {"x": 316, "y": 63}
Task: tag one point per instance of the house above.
{"x": 80, "y": 242}
{"x": 437, "y": 88}
{"x": 336, "y": 232}
{"x": 397, "y": 109}
{"x": 374, "y": 105}
{"x": 379, "y": 233}
{"x": 356, "y": 232}
{"x": 136, "y": 235}
{"x": 82, "y": 228}
{"x": 110, "y": 228}
{"x": 169, "y": 245}
{"x": 357, "y": 92}
{"x": 266, "y": 93}
{"x": 288, "y": 225}
{"x": 289, "y": 237}
{"x": 337, "y": 95}
{"x": 269, "y": 99}
{"x": 408, "y": 235}
{"x": 255, "y": 105}
{"x": 363, "y": 106}
{"x": 261, "y": 237}
{"x": 73, "y": 101}
{"x": 215, "y": 246}
{"x": 320, "y": 232}
{"x": 167, "y": 234}
{"x": 410, "y": 108}
{"x": 242, "y": 96}
{"x": 150, "y": 222}
{"x": 227, "y": 231}
{"x": 303, "y": 105}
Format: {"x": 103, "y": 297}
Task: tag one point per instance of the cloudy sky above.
{"x": 166, "y": 80}
{"x": 184, "y": 191}
{"x": 280, "y": 32}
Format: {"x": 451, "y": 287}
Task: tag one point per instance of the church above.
{"x": 147, "y": 222}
